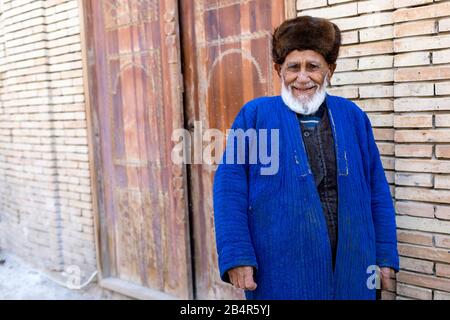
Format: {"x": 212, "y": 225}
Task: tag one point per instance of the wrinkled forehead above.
{"x": 304, "y": 56}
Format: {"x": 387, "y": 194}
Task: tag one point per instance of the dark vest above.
{"x": 318, "y": 139}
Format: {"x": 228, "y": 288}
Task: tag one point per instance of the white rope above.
{"x": 70, "y": 286}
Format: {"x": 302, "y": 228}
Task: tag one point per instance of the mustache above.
{"x": 325, "y": 83}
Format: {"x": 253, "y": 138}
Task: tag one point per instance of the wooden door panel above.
{"x": 134, "y": 72}
{"x": 227, "y": 61}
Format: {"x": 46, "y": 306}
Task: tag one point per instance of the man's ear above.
{"x": 277, "y": 68}
{"x": 332, "y": 68}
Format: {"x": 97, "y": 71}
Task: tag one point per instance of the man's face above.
{"x": 304, "y": 73}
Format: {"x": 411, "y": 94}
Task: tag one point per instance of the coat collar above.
{"x": 336, "y": 115}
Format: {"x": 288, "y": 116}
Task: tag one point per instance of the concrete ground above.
{"x": 20, "y": 281}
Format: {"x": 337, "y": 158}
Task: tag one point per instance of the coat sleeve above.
{"x": 230, "y": 196}
{"x": 383, "y": 212}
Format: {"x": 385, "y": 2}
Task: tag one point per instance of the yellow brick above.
{"x": 414, "y": 292}
{"x": 443, "y": 151}
{"x": 414, "y": 179}
{"x": 442, "y": 212}
{"x": 408, "y": 3}
{"x": 308, "y": 4}
{"x": 383, "y": 134}
{"x": 338, "y": 1}
{"x": 411, "y": 89}
{"x": 413, "y": 150}
{"x": 365, "y": 21}
{"x": 421, "y": 252}
{"x": 421, "y": 194}
{"x": 346, "y": 65}
{"x": 413, "y": 121}
{"x": 387, "y": 295}
{"x": 421, "y": 104}
{"x": 440, "y": 295}
{"x": 437, "y": 135}
{"x": 388, "y": 163}
{"x": 375, "y": 34}
{"x": 442, "y": 241}
{"x": 386, "y": 148}
{"x": 414, "y": 28}
{"x": 421, "y": 43}
{"x": 442, "y": 182}
{"x": 422, "y": 73}
{"x": 444, "y": 25}
{"x": 414, "y": 237}
{"x": 441, "y": 56}
{"x": 374, "y": 5}
{"x": 417, "y": 265}
{"x": 373, "y": 76}
{"x": 366, "y": 49}
{"x": 376, "y": 91}
{"x": 431, "y": 11}
{"x": 381, "y": 120}
{"x": 443, "y": 88}
{"x": 349, "y": 37}
{"x": 442, "y": 120}
{"x": 443, "y": 270}
{"x": 376, "y": 62}
{"x": 337, "y": 11}
{"x": 348, "y": 92}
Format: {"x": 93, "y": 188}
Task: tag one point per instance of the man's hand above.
{"x": 242, "y": 278}
{"x": 387, "y": 275}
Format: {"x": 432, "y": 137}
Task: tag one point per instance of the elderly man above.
{"x": 319, "y": 226}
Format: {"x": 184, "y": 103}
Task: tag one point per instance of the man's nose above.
{"x": 303, "y": 76}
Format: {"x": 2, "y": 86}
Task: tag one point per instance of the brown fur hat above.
{"x": 303, "y": 33}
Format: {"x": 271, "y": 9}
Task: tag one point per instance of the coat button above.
{"x": 306, "y": 134}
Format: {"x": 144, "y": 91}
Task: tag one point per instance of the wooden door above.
{"x": 226, "y": 47}
{"x": 135, "y": 102}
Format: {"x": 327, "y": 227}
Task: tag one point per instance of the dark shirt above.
{"x": 318, "y": 139}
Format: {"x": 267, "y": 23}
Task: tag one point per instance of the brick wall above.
{"x": 395, "y": 64}
{"x": 45, "y": 195}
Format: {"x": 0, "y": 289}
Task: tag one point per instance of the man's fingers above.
{"x": 387, "y": 278}
{"x": 232, "y": 278}
{"x": 387, "y": 283}
{"x": 388, "y": 272}
{"x": 241, "y": 280}
{"x": 249, "y": 283}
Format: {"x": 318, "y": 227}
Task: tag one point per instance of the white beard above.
{"x": 304, "y": 105}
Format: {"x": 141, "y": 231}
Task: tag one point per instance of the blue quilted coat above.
{"x": 275, "y": 223}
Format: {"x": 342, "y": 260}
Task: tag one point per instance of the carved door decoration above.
{"x": 134, "y": 76}
{"x": 135, "y": 101}
{"x": 227, "y": 61}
